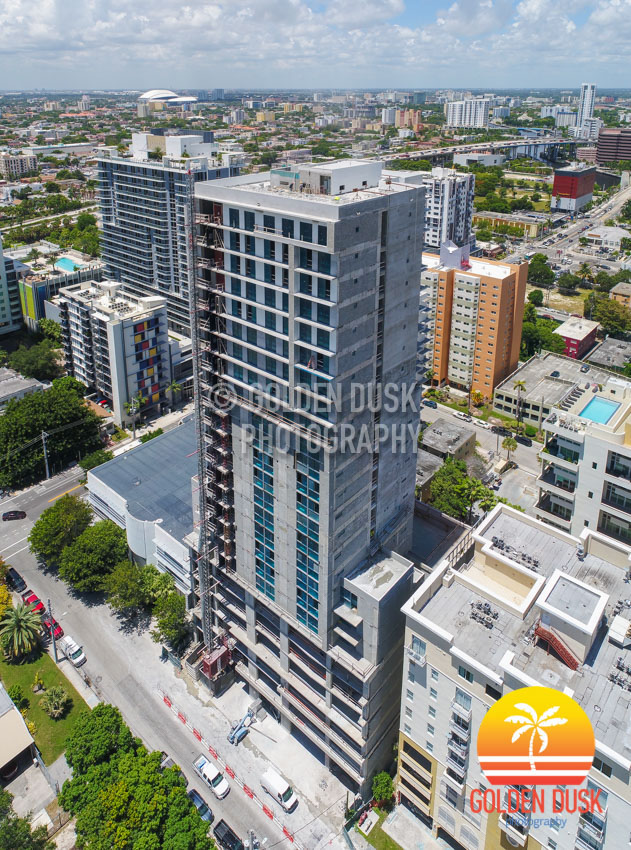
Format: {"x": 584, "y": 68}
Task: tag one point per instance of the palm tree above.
{"x": 585, "y": 272}
{"x": 173, "y": 389}
{"x": 519, "y": 386}
{"x": 55, "y": 702}
{"x": 510, "y": 444}
{"x": 535, "y": 726}
{"x": 133, "y": 407}
{"x": 20, "y": 627}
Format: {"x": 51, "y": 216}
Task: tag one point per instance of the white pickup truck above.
{"x": 71, "y": 649}
{"x": 212, "y": 776}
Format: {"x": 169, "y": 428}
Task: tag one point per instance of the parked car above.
{"x": 226, "y": 837}
{"x": 15, "y": 580}
{"x": 73, "y": 652}
{"x": 521, "y": 438}
{"x": 167, "y": 761}
{"x": 205, "y": 812}
{"x": 429, "y": 403}
{"x": 279, "y": 789}
{"x": 500, "y": 429}
{"x": 464, "y": 416}
{"x": 52, "y": 626}
{"x": 212, "y": 776}
{"x": 29, "y": 598}
{"x": 7, "y": 515}
{"x": 585, "y": 368}
{"x": 482, "y": 424}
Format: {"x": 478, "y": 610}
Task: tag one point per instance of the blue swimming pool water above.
{"x": 599, "y": 410}
{"x": 64, "y": 264}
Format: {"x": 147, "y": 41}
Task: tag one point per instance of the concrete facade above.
{"x": 10, "y": 309}
{"x": 471, "y": 112}
{"x": 146, "y": 214}
{"x": 13, "y": 166}
{"x": 309, "y": 285}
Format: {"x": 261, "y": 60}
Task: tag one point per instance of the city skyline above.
{"x": 485, "y": 42}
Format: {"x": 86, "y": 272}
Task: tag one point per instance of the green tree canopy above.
{"x": 130, "y": 586}
{"x": 93, "y": 555}
{"x": 50, "y": 330}
{"x": 614, "y": 317}
{"x": 95, "y": 459}
{"x": 539, "y": 271}
{"x": 97, "y": 736}
{"x": 172, "y": 627}
{"x": 536, "y": 297}
{"x": 39, "y": 361}
{"x": 383, "y": 787}
{"x": 58, "y": 527}
{"x": 454, "y": 492}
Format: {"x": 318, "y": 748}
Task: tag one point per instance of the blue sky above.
{"x": 329, "y": 43}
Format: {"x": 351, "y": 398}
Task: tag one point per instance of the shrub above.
{"x": 56, "y": 702}
{"x": 17, "y": 695}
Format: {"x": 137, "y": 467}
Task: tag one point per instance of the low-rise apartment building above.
{"x": 621, "y": 292}
{"x": 115, "y": 343}
{"x": 477, "y": 311}
{"x": 579, "y": 335}
{"x": 532, "y": 606}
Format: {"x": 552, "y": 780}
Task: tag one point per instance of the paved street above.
{"x": 124, "y": 665}
{"x": 518, "y": 485}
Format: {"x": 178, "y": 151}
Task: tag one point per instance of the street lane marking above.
{"x": 65, "y": 493}
{"x": 15, "y": 542}
{"x": 13, "y": 554}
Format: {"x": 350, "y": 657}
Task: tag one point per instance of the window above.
{"x": 407, "y": 728}
{"x": 602, "y": 766}
{"x": 463, "y": 699}
{"x": 465, "y": 674}
{"x": 248, "y": 220}
{"x": 288, "y": 231}
{"x": 410, "y": 695}
{"x": 431, "y": 711}
{"x": 433, "y": 693}
{"x": 552, "y": 845}
{"x": 411, "y": 671}
{"x": 306, "y": 232}
{"x": 492, "y": 692}
{"x": 322, "y": 234}
{"x": 419, "y": 646}
{"x": 408, "y": 711}
{"x": 430, "y": 729}
{"x": 429, "y": 746}
{"x": 435, "y": 675}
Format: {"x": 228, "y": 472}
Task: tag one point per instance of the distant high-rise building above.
{"x": 115, "y": 343}
{"x": 448, "y": 203}
{"x": 308, "y": 286}
{"x": 389, "y": 115}
{"x": 472, "y": 112}
{"x": 10, "y": 307}
{"x": 217, "y": 94}
{"x": 419, "y": 97}
{"x": 586, "y": 103}
{"x": 477, "y": 308}
{"x": 614, "y": 144}
{"x": 84, "y": 103}
{"x": 145, "y": 204}
{"x": 237, "y": 116}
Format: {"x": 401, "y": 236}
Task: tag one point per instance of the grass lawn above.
{"x": 378, "y": 838}
{"x": 570, "y": 303}
{"x": 50, "y": 735}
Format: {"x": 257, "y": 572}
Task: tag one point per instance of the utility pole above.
{"x": 52, "y": 632}
{"x": 44, "y": 438}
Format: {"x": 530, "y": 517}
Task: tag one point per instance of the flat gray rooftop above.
{"x": 537, "y": 375}
{"x": 611, "y": 353}
{"x": 607, "y": 704}
{"x": 155, "y": 479}
{"x": 382, "y": 575}
{"x": 12, "y": 383}
{"x": 573, "y": 599}
{"x": 446, "y": 435}
{"x": 427, "y": 465}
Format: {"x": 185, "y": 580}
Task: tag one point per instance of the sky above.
{"x": 143, "y": 44}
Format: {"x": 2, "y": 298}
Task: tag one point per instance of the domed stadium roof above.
{"x": 165, "y": 96}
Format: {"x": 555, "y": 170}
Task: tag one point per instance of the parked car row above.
{"x": 50, "y": 623}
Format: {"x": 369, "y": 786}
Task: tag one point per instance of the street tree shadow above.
{"x": 90, "y": 600}
{"x": 133, "y": 620}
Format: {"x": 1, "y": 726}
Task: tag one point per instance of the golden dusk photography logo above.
{"x": 536, "y": 736}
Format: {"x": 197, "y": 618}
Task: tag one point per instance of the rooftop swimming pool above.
{"x": 65, "y": 264}
{"x": 599, "y": 410}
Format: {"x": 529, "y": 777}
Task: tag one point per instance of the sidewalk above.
{"x": 409, "y": 832}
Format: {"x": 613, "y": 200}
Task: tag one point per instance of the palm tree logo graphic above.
{"x": 530, "y": 722}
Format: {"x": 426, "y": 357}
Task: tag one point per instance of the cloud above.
{"x": 310, "y": 43}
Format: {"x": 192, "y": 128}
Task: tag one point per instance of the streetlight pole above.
{"x": 52, "y": 632}
{"x": 44, "y": 438}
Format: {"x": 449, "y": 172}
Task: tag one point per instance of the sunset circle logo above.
{"x": 536, "y": 736}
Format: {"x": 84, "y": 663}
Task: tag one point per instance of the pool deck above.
{"x": 599, "y": 410}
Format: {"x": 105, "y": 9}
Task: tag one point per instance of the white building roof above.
{"x": 167, "y": 96}
{"x": 576, "y": 328}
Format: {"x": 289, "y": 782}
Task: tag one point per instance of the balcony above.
{"x": 595, "y": 830}
{"x": 551, "y": 509}
{"x": 416, "y": 657}
{"x": 581, "y": 844}
{"x": 549, "y": 478}
{"x": 515, "y": 832}
{"x": 461, "y": 711}
{"x": 562, "y": 454}
{"x": 620, "y": 503}
{"x": 460, "y": 748}
{"x": 618, "y": 470}
{"x": 459, "y": 783}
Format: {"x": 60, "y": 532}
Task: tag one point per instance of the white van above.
{"x": 73, "y": 652}
{"x": 280, "y": 790}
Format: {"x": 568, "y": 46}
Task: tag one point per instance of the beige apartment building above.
{"x": 476, "y": 312}
{"x": 15, "y": 165}
{"x": 531, "y": 606}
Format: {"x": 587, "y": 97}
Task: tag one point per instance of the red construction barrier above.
{"x": 288, "y": 834}
{"x": 181, "y": 716}
{"x": 268, "y": 812}
{"x": 248, "y": 791}
{"x": 167, "y": 700}
{"x": 230, "y": 772}
{"x": 212, "y": 752}
{"x": 197, "y": 734}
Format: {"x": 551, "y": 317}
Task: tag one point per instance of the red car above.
{"x": 56, "y": 630}
{"x": 29, "y": 598}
